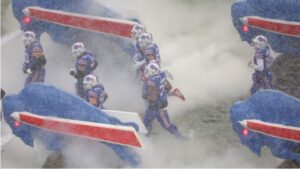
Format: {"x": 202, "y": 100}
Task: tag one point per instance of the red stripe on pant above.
{"x": 164, "y": 119}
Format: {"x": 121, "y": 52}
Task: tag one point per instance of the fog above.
{"x": 198, "y": 45}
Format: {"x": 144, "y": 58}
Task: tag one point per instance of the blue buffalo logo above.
{"x": 260, "y": 120}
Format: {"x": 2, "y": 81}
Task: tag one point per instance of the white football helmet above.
{"x": 90, "y": 81}
{"x": 28, "y": 38}
{"x": 151, "y": 69}
{"x": 136, "y": 30}
{"x": 78, "y": 49}
{"x": 259, "y": 42}
{"x": 145, "y": 39}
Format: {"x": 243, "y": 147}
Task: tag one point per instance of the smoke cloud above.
{"x": 198, "y": 45}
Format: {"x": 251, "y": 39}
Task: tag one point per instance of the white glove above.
{"x": 28, "y": 71}
{"x": 72, "y": 72}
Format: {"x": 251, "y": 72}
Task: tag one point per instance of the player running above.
{"x": 262, "y": 60}
{"x": 156, "y": 89}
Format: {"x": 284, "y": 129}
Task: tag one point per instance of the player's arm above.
{"x": 168, "y": 86}
{"x": 73, "y": 73}
{"x": 79, "y": 73}
{"x": 37, "y": 60}
{"x": 39, "y": 63}
{"x": 94, "y": 65}
{"x": 104, "y": 97}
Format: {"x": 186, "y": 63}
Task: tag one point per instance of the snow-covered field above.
{"x": 198, "y": 44}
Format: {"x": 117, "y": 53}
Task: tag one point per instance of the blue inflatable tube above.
{"x": 66, "y": 35}
{"x": 279, "y": 10}
{"x": 273, "y": 108}
{"x": 46, "y": 100}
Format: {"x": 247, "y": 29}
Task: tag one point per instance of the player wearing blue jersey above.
{"x": 136, "y": 31}
{"x": 85, "y": 64}
{"x": 94, "y": 91}
{"x": 149, "y": 52}
{"x": 34, "y": 59}
{"x": 143, "y": 41}
{"x": 152, "y": 56}
{"x": 152, "y": 53}
{"x": 155, "y": 92}
{"x": 262, "y": 60}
